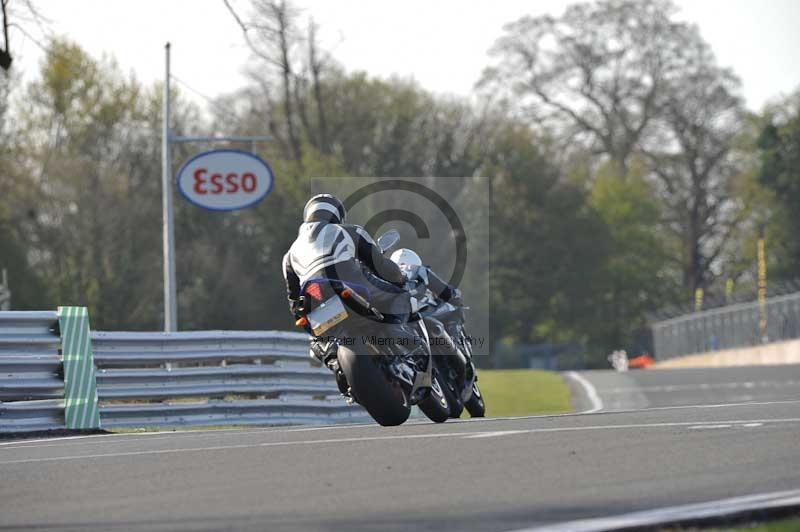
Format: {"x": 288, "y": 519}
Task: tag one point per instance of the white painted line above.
{"x": 715, "y": 405}
{"x": 702, "y": 386}
{"x": 165, "y": 434}
{"x": 62, "y": 438}
{"x": 704, "y": 427}
{"x": 591, "y": 392}
{"x": 494, "y": 434}
{"x": 752, "y": 425}
{"x": 674, "y": 514}
{"x": 362, "y": 439}
{"x": 120, "y": 437}
{"x": 613, "y": 412}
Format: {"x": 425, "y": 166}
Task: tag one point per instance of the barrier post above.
{"x": 80, "y": 385}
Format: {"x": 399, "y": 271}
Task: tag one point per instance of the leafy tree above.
{"x": 780, "y": 172}
{"x": 624, "y": 80}
{"x": 549, "y": 245}
{"x": 91, "y": 154}
{"x": 695, "y": 164}
{"x": 636, "y": 281}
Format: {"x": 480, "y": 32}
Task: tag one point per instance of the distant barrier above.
{"x": 727, "y": 328}
{"x": 148, "y": 379}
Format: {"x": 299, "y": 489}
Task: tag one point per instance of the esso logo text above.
{"x": 225, "y": 180}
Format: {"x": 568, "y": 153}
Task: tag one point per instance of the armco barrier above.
{"x": 213, "y": 378}
{"x": 728, "y": 327}
{"x": 31, "y": 382}
{"x": 145, "y": 380}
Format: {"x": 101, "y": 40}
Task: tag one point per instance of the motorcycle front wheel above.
{"x": 475, "y": 405}
{"x": 435, "y": 405}
{"x": 451, "y": 393}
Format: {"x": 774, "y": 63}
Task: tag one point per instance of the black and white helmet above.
{"x": 324, "y": 208}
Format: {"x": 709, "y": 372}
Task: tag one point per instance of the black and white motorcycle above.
{"x": 450, "y": 344}
{"x": 385, "y": 377}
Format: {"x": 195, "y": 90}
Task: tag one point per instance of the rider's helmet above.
{"x": 324, "y": 208}
{"x": 408, "y": 261}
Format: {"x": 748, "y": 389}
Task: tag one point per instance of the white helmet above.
{"x": 408, "y": 261}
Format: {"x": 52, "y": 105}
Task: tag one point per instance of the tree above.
{"x": 693, "y": 160}
{"x": 89, "y": 149}
{"x": 635, "y": 281}
{"x": 595, "y": 74}
{"x": 5, "y": 52}
{"x": 780, "y": 172}
{"x": 274, "y": 41}
{"x": 630, "y": 82}
{"x": 26, "y": 13}
{"x": 549, "y": 245}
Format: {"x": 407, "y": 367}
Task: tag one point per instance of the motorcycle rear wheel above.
{"x": 384, "y": 400}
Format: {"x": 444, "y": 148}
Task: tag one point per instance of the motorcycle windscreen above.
{"x": 326, "y": 315}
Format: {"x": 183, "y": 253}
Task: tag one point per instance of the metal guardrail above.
{"x": 213, "y": 378}
{"x": 727, "y": 327}
{"x": 167, "y": 379}
{"x": 31, "y": 385}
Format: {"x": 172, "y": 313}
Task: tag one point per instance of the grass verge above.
{"x": 522, "y": 392}
{"x": 787, "y": 525}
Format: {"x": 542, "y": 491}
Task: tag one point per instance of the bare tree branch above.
{"x": 5, "y": 53}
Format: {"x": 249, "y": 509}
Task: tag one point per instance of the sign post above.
{"x": 251, "y": 183}
{"x": 170, "y": 305}
{"x": 762, "y": 285}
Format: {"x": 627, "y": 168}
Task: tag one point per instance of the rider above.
{"x": 421, "y": 279}
{"x": 411, "y": 265}
{"x": 328, "y": 248}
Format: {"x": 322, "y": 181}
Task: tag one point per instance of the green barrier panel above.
{"x": 80, "y": 386}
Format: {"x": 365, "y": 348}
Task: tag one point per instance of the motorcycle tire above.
{"x": 384, "y": 400}
{"x": 475, "y": 405}
{"x": 453, "y": 399}
{"x": 435, "y": 405}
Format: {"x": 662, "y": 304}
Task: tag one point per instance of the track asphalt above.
{"x": 663, "y": 438}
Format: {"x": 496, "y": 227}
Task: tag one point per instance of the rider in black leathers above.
{"x": 327, "y": 248}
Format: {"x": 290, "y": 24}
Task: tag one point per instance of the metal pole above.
{"x": 170, "y": 308}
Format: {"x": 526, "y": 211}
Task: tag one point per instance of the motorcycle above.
{"x": 453, "y": 361}
{"x": 385, "y": 377}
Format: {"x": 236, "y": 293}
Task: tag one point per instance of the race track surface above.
{"x": 492, "y": 475}
{"x": 677, "y": 387}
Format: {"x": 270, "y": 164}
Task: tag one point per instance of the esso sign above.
{"x": 225, "y": 180}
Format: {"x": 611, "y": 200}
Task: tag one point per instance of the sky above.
{"x": 443, "y": 45}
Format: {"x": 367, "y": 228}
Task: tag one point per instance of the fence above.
{"x": 157, "y": 379}
{"x": 727, "y": 327}
{"x": 213, "y": 378}
{"x": 31, "y": 382}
